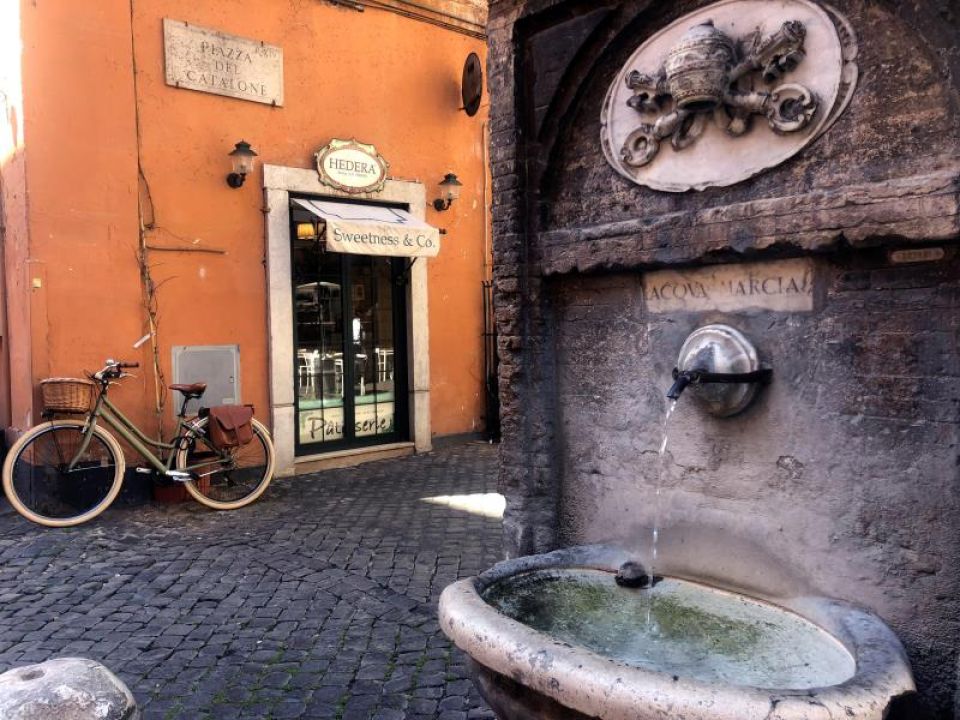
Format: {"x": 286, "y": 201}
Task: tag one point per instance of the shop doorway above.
{"x": 350, "y": 345}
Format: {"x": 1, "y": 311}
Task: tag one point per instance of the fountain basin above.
{"x": 553, "y": 636}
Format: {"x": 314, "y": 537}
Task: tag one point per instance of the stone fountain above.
{"x": 586, "y": 632}
{"x": 554, "y": 637}
{"x": 805, "y": 194}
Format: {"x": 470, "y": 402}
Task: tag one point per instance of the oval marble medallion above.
{"x": 728, "y": 91}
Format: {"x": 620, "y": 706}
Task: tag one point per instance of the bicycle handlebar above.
{"x": 112, "y": 368}
{"x": 111, "y": 363}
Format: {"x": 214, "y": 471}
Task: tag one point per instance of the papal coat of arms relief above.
{"x": 728, "y": 91}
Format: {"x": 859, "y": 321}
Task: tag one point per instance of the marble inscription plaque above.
{"x": 199, "y": 58}
{"x": 780, "y": 286}
{"x": 917, "y": 255}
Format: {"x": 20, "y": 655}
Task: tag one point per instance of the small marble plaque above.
{"x": 199, "y": 58}
{"x": 780, "y": 286}
{"x": 917, "y": 255}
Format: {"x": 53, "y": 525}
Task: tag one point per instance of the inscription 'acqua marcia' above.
{"x": 734, "y": 288}
{"x": 779, "y": 286}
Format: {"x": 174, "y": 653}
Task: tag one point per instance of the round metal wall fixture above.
{"x": 720, "y": 349}
{"x": 471, "y": 87}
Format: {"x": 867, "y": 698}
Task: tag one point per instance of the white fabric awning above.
{"x": 374, "y": 230}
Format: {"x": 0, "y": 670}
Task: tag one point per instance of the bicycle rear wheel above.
{"x": 229, "y": 479}
{"x": 40, "y": 484}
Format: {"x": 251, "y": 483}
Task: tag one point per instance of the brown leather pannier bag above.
{"x": 229, "y": 425}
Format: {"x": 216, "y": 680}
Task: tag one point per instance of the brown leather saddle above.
{"x": 194, "y": 390}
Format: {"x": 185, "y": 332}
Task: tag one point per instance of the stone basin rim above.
{"x": 601, "y": 687}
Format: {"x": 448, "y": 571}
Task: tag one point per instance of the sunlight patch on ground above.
{"x": 489, "y": 505}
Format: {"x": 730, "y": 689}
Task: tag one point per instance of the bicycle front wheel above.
{"x": 54, "y": 477}
{"x": 226, "y": 479}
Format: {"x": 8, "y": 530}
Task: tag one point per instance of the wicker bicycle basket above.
{"x": 67, "y": 395}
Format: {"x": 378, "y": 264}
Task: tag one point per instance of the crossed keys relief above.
{"x": 708, "y": 75}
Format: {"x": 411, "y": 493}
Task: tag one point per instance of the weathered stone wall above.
{"x": 843, "y": 478}
{"x": 889, "y": 167}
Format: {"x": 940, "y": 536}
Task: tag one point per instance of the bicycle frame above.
{"x": 114, "y": 418}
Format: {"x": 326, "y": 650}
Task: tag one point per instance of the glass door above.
{"x": 350, "y": 344}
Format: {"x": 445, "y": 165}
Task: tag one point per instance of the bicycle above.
{"x": 65, "y": 472}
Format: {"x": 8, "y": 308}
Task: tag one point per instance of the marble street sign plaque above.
{"x": 781, "y": 286}
{"x": 199, "y": 58}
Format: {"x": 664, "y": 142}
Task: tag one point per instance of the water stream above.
{"x": 661, "y": 473}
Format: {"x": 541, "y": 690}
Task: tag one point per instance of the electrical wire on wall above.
{"x": 146, "y": 219}
{"x": 352, "y": 4}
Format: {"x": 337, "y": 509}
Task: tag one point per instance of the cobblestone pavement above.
{"x": 319, "y": 601}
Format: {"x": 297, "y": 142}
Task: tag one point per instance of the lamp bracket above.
{"x": 403, "y": 278}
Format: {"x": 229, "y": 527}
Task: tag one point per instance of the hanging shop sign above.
{"x": 373, "y": 229}
{"x": 204, "y": 59}
{"x": 352, "y": 167}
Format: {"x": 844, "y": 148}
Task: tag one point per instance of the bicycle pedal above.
{"x": 144, "y": 470}
{"x": 178, "y": 475}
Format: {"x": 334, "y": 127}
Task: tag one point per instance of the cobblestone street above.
{"x": 319, "y": 601}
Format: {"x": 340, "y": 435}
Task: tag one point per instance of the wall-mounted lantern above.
{"x": 449, "y": 191}
{"x": 243, "y": 160}
{"x": 306, "y": 231}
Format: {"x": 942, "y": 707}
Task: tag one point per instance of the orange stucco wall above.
{"x": 376, "y": 76}
{"x": 81, "y": 172}
{"x": 15, "y": 395}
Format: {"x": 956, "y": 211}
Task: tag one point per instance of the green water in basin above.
{"x": 678, "y": 628}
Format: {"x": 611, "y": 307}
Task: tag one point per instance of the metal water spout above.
{"x": 680, "y": 382}
{"x": 684, "y": 378}
{"x": 722, "y": 366}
